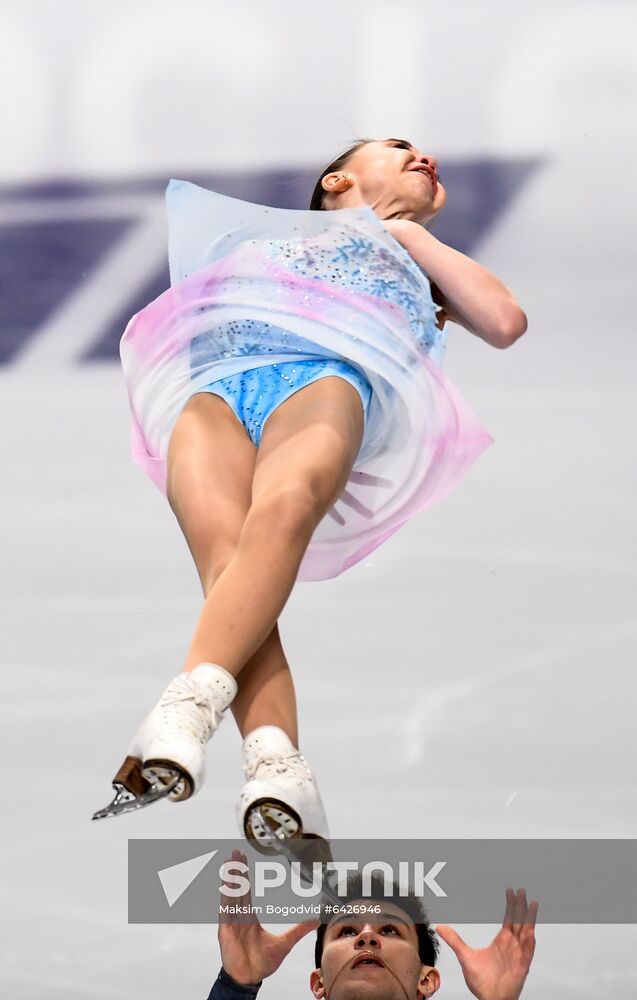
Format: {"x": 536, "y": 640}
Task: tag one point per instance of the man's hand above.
{"x": 499, "y": 971}
{"x": 248, "y": 953}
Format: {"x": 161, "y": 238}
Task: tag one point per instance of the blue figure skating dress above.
{"x": 255, "y": 286}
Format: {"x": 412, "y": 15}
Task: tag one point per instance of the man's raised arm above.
{"x": 249, "y": 954}
{"x": 499, "y": 971}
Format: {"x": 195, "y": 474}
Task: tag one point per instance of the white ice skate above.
{"x": 167, "y": 756}
{"x": 280, "y": 808}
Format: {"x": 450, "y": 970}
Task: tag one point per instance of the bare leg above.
{"x": 211, "y": 463}
{"x": 307, "y": 450}
{"x": 247, "y": 519}
{"x": 266, "y": 694}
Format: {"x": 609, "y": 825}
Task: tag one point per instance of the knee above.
{"x": 218, "y": 557}
{"x": 293, "y": 511}
{"x": 212, "y": 534}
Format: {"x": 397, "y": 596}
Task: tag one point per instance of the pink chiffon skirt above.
{"x": 252, "y": 286}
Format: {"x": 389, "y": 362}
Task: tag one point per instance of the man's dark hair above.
{"x": 410, "y": 904}
{"x": 318, "y": 195}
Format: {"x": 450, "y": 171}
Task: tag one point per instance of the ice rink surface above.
{"x": 473, "y": 678}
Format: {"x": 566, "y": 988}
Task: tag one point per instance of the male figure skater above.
{"x": 386, "y": 955}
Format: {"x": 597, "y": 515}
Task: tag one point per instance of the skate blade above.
{"x": 273, "y": 826}
{"x": 270, "y": 825}
{"x": 126, "y": 801}
{"x": 162, "y": 772}
{"x": 137, "y": 787}
{"x": 274, "y": 829}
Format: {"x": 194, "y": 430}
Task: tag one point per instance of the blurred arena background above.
{"x": 475, "y": 678}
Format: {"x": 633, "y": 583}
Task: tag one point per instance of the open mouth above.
{"x": 368, "y": 960}
{"x": 428, "y": 173}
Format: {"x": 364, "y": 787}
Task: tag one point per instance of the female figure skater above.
{"x": 287, "y": 395}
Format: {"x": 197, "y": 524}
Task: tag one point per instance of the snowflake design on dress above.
{"x": 363, "y": 265}
{"x": 384, "y": 287}
{"x": 357, "y": 247}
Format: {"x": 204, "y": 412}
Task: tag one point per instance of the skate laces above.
{"x": 184, "y": 709}
{"x": 293, "y": 765}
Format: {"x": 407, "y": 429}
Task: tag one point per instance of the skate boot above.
{"x": 167, "y": 756}
{"x": 280, "y": 809}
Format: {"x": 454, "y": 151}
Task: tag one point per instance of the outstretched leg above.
{"x": 235, "y": 507}
{"x": 307, "y": 450}
{"x": 211, "y": 463}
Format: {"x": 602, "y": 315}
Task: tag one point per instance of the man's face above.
{"x": 373, "y": 957}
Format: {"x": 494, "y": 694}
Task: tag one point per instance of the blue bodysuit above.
{"x": 255, "y": 393}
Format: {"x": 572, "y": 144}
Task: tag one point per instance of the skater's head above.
{"x": 387, "y": 952}
{"x": 392, "y": 176}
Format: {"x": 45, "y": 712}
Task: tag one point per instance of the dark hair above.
{"x": 410, "y": 904}
{"x": 318, "y": 194}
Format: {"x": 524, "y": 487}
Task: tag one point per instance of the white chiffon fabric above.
{"x": 253, "y": 285}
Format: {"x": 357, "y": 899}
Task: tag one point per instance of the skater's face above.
{"x": 373, "y": 957}
{"x": 391, "y": 176}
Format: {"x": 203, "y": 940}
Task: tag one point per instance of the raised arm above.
{"x": 469, "y": 294}
{"x": 248, "y": 952}
{"x": 499, "y": 971}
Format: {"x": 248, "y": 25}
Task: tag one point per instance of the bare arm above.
{"x": 499, "y": 971}
{"x": 469, "y": 294}
{"x": 249, "y": 953}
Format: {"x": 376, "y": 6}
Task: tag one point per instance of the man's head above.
{"x": 387, "y": 952}
{"x": 390, "y": 175}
